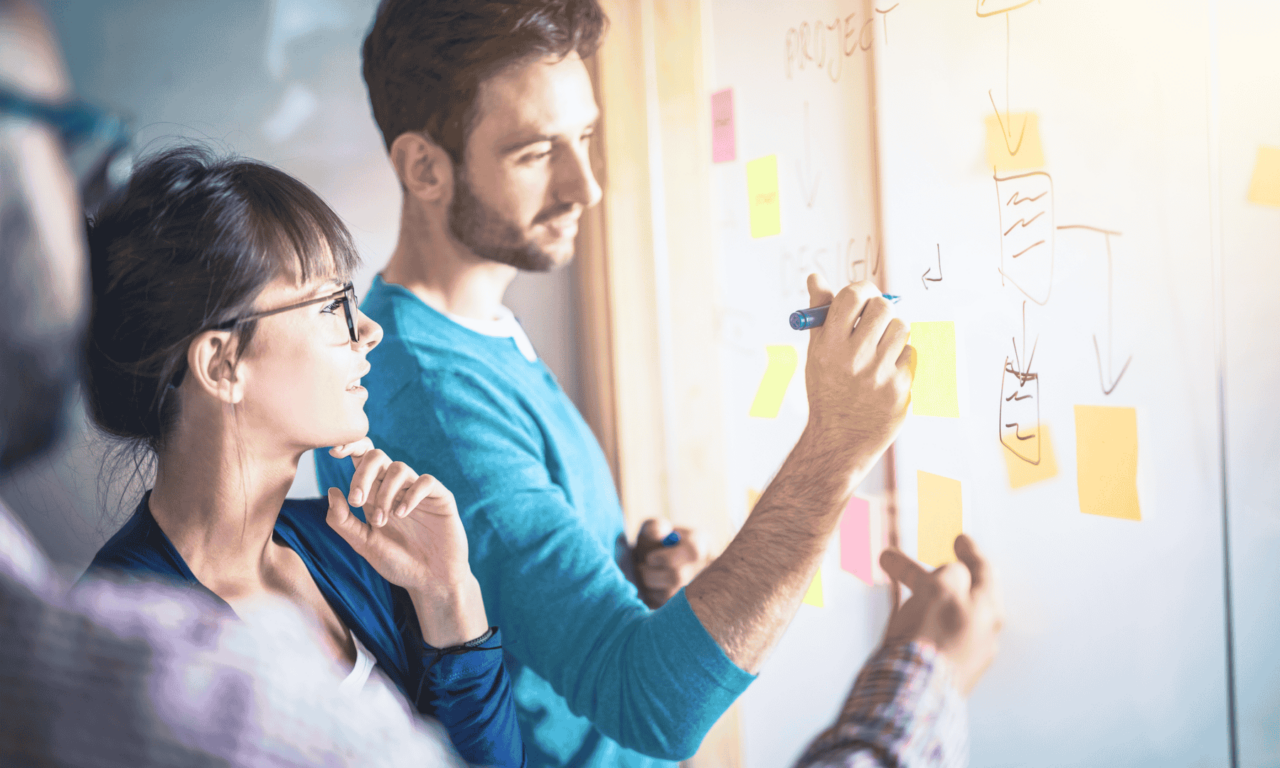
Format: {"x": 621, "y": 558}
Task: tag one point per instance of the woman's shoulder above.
{"x": 139, "y": 548}
{"x": 303, "y": 524}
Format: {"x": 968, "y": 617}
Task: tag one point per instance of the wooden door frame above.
{"x": 646, "y": 266}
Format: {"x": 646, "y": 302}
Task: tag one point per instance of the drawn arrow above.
{"x": 925, "y": 279}
{"x": 810, "y": 191}
{"x": 1105, "y": 378}
{"x": 1006, "y": 124}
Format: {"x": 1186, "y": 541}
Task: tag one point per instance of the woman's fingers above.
{"x": 392, "y": 482}
{"x": 369, "y": 467}
{"x": 423, "y": 488}
{"x": 358, "y": 448}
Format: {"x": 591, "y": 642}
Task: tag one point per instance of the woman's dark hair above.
{"x": 187, "y": 245}
{"x": 424, "y": 60}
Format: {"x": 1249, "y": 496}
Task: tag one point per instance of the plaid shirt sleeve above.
{"x": 903, "y": 712}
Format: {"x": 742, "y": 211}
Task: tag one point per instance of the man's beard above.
{"x": 490, "y": 236}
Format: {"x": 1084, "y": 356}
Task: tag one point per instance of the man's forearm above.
{"x": 748, "y": 596}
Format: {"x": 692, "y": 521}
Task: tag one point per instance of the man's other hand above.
{"x": 956, "y": 608}
{"x": 662, "y": 571}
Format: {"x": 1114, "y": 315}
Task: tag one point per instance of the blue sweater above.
{"x": 600, "y": 680}
{"x": 469, "y": 693}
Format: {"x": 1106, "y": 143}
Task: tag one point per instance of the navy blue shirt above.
{"x": 469, "y": 693}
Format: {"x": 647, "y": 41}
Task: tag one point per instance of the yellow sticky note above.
{"x": 782, "y": 365}
{"x": 1013, "y": 141}
{"x": 1264, "y": 188}
{"x": 1107, "y": 461}
{"x": 813, "y": 596}
{"x": 940, "y": 519}
{"x": 762, "y": 196}
{"x": 1022, "y": 472}
{"x": 933, "y": 393}
{"x": 752, "y": 497}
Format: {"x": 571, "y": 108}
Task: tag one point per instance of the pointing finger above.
{"x": 901, "y": 568}
{"x": 979, "y": 568}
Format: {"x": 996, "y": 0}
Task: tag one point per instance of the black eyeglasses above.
{"x": 347, "y": 296}
{"x": 96, "y": 143}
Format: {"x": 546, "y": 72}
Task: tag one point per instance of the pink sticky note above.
{"x": 855, "y": 539}
{"x": 723, "y": 148}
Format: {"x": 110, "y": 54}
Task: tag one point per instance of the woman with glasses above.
{"x": 225, "y": 342}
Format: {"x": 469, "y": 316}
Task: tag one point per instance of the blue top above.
{"x": 600, "y": 680}
{"x": 469, "y": 693}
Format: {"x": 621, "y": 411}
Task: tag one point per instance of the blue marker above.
{"x": 804, "y": 319}
{"x": 672, "y": 539}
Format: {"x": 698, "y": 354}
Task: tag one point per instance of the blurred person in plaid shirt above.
{"x": 139, "y": 674}
{"x": 907, "y": 708}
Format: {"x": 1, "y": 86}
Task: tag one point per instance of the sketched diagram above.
{"x": 1026, "y": 233}
{"x": 1020, "y": 401}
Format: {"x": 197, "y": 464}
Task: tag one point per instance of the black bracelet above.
{"x": 470, "y": 645}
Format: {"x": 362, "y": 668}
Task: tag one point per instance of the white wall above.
{"x": 276, "y": 81}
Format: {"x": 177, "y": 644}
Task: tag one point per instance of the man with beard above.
{"x": 487, "y": 113}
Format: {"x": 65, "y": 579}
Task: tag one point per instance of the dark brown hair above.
{"x": 424, "y": 60}
{"x": 188, "y": 245}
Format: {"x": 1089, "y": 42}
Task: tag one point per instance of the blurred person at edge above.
{"x": 138, "y": 674}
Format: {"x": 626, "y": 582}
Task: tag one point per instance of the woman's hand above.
{"x": 413, "y": 538}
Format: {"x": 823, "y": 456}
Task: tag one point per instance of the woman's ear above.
{"x": 423, "y": 167}
{"x": 213, "y": 368}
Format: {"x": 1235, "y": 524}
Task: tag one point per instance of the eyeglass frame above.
{"x": 349, "y": 306}
{"x": 76, "y": 122}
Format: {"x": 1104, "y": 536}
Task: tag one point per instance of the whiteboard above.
{"x": 811, "y": 113}
{"x": 1147, "y": 116}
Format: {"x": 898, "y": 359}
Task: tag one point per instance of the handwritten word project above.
{"x": 1107, "y": 461}
{"x": 773, "y": 387}
{"x": 762, "y": 196}
{"x": 933, "y": 393}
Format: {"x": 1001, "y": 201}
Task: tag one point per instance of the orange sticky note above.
{"x": 1107, "y": 461}
{"x": 1264, "y": 187}
{"x": 762, "y": 196}
{"x": 773, "y": 387}
{"x": 1013, "y": 141}
{"x": 1023, "y": 472}
{"x": 933, "y": 392}
{"x": 813, "y": 596}
{"x": 940, "y": 518}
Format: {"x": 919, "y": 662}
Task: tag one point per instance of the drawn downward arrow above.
{"x": 1006, "y": 124}
{"x": 1105, "y": 378}
{"x": 810, "y": 191}
{"x": 925, "y": 279}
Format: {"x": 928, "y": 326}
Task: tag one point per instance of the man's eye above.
{"x": 332, "y": 306}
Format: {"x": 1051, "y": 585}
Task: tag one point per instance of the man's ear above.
{"x": 423, "y": 167}
{"x": 212, "y": 366}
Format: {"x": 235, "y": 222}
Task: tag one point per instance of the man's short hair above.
{"x": 424, "y": 60}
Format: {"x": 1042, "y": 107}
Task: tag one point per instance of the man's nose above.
{"x": 575, "y": 182}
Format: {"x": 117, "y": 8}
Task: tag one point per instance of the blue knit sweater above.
{"x": 600, "y": 680}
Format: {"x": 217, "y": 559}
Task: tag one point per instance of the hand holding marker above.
{"x": 804, "y": 319}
